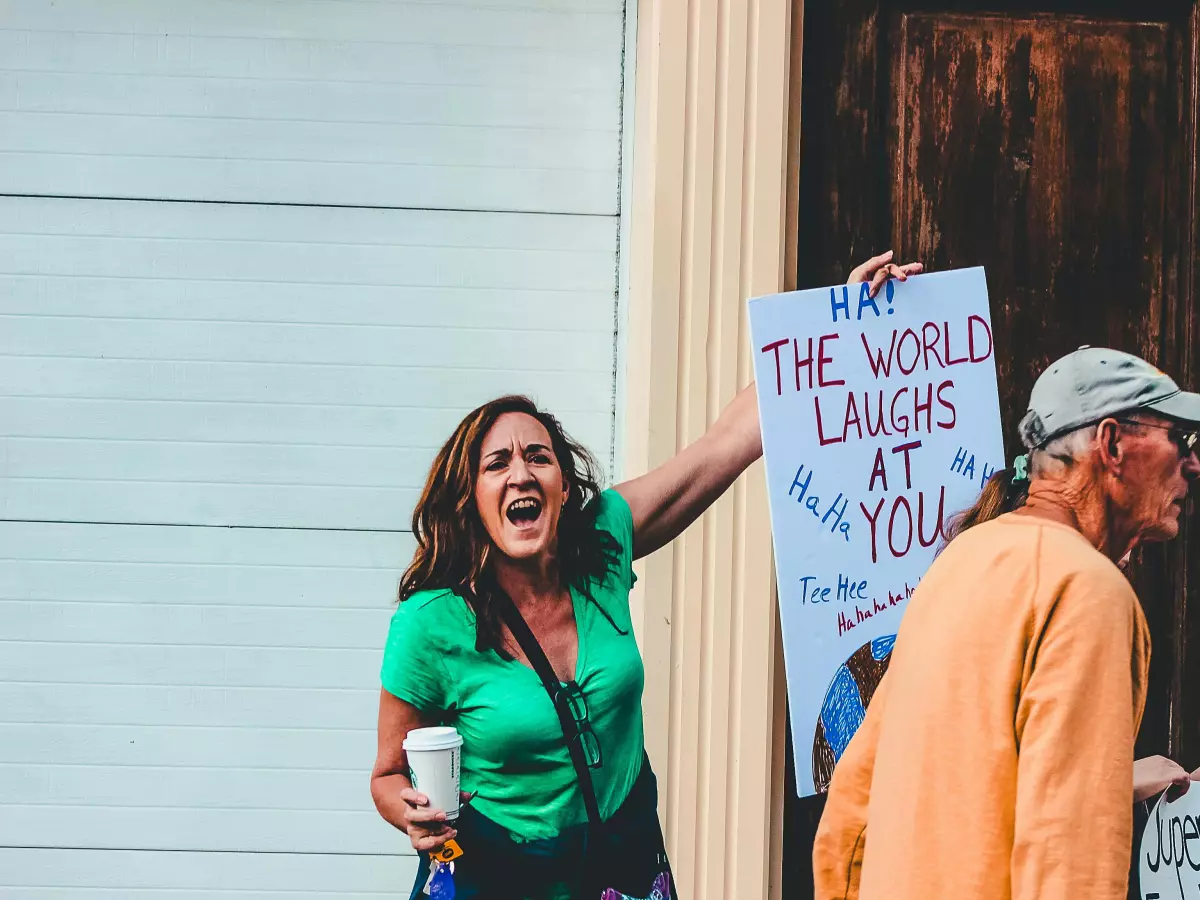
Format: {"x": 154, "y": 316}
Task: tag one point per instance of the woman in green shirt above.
{"x": 512, "y": 512}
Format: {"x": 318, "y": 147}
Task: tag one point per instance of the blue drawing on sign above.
{"x": 845, "y": 704}
{"x": 842, "y": 711}
{"x": 882, "y": 646}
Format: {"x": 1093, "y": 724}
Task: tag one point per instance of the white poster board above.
{"x": 880, "y": 419}
{"x": 1169, "y": 854}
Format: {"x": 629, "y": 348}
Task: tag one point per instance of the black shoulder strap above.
{"x": 537, "y": 658}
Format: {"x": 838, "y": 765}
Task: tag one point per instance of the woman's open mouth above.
{"x": 524, "y": 512}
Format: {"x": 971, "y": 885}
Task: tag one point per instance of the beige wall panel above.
{"x": 711, "y": 154}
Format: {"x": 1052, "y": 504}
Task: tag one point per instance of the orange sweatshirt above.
{"x": 996, "y": 758}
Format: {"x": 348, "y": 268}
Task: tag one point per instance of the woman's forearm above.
{"x": 385, "y": 791}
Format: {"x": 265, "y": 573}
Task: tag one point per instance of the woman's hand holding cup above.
{"x": 427, "y": 828}
{"x": 433, "y": 758}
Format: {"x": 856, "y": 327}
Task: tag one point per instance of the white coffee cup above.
{"x": 433, "y": 761}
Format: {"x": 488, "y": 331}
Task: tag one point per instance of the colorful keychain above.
{"x": 440, "y": 885}
{"x": 441, "y": 881}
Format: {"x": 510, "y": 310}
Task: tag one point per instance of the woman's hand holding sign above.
{"x": 878, "y": 269}
{"x": 1154, "y": 774}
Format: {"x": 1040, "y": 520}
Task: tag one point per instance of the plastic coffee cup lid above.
{"x": 436, "y": 738}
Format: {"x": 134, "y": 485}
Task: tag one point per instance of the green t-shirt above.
{"x": 513, "y": 750}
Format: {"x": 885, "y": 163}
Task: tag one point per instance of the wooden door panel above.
{"x": 1037, "y": 148}
{"x": 1052, "y": 142}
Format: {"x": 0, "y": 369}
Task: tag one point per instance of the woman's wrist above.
{"x": 386, "y": 790}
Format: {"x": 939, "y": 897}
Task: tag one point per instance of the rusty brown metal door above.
{"x": 1055, "y": 144}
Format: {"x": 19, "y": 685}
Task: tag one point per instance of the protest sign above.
{"x": 1169, "y": 855}
{"x": 880, "y": 419}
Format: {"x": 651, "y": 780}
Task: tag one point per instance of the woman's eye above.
{"x": 540, "y": 458}
{"x": 495, "y": 465}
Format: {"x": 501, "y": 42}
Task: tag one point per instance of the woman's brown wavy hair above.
{"x": 1000, "y": 495}
{"x": 454, "y": 548}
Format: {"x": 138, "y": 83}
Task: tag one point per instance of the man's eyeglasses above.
{"x": 571, "y": 696}
{"x": 1185, "y": 440}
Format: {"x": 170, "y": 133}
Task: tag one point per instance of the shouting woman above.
{"x": 514, "y": 627}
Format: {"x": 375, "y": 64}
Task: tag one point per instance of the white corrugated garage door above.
{"x": 256, "y": 259}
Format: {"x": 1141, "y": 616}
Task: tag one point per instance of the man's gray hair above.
{"x": 1059, "y": 453}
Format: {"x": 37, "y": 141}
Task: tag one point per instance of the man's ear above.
{"x": 1108, "y": 441}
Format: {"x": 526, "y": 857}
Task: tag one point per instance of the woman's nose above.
{"x": 518, "y": 473}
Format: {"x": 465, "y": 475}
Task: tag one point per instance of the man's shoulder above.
{"x": 1060, "y": 555}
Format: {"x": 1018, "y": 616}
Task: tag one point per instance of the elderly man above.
{"x": 997, "y": 754}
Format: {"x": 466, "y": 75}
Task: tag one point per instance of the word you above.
{"x": 964, "y": 465}
{"x": 813, "y": 504}
{"x": 902, "y": 525}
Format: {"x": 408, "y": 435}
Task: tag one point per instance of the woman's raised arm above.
{"x": 668, "y": 499}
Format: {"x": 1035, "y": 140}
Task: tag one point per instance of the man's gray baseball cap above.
{"x": 1094, "y": 383}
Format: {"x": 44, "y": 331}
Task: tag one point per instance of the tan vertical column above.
{"x": 708, "y": 231}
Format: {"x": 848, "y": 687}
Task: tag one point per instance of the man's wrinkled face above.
{"x": 1159, "y": 468}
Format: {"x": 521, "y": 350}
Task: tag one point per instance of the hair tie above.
{"x": 1021, "y": 468}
